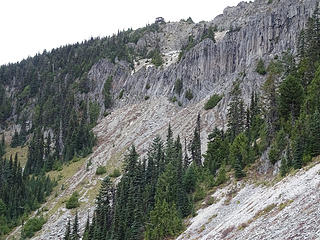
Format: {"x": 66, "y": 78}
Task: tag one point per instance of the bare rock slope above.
{"x": 288, "y": 210}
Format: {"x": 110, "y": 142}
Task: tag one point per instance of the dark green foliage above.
{"x": 277, "y": 147}
{"x": 298, "y": 153}
{"x": 101, "y": 170}
{"x": 189, "y": 94}
{"x": 17, "y": 193}
{"x": 261, "y": 68}
{"x": 312, "y": 102}
{"x": 116, "y": 173}
{"x": 73, "y": 201}
{"x": 291, "y": 97}
{"x": 67, "y": 235}
{"x": 212, "y": 102}
{"x": 221, "y": 177}
{"x": 239, "y": 155}
{"x": 178, "y": 86}
{"x": 164, "y": 222}
{"x": 32, "y": 226}
{"x": 75, "y": 229}
{"x": 107, "y": 92}
{"x": 209, "y": 33}
{"x": 146, "y": 98}
{"x": 270, "y": 102}
{"x": 236, "y": 113}
{"x": 121, "y": 94}
{"x": 2, "y": 146}
{"x": 156, "y": 57}
{"x": 94, "y": 111}
{"x": 5, "y": 106}
{"x": 217, "y": 152}
{"x": 195, "y": 145}
{"x": 191, "y": 43}
{"x": 315, "y": 134}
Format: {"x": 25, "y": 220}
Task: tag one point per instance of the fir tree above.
{"x": 75, "y": 229}
{"x": 315, "y": 134}
{"x": 67, "y": 235}
{"x": 235, "y": 112}
{"x": 195, "y": 146}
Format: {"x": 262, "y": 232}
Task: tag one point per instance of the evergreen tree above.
{"x": 291, "y": 97}
{"x": 239, "y": 155}
{"x": 67, "y": 235}
{"x": 298, "y": 153}
{"x": 235, "y": 112}
{"x": 270, "y": 89}
{"x": 195, "y": 145}
{"x": 315, "y": 134}
{"x": 75, "y": 229}
{"x": 164, "y": 221}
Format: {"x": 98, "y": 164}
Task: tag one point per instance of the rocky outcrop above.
{"x": 249, "y": 31}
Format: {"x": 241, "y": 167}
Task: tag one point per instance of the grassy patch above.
{"x": 243, "y": 226}
{"x": 285, "y": 204}
{"x": 263, "y": 212}
{"x": 68, "y": 170}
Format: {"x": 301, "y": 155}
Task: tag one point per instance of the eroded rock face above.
{"x": 248, "y": 32}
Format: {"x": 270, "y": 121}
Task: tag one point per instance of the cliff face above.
{"x": 246, "y": 33}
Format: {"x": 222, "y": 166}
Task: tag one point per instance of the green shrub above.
{"x": 156, "y": 58}
{"x": 147, "y": 86}
{"x": 189, "y": 94}
{"x": 101, "y": 170}
{"x": 116, "y": 173}
{"x": 261, "y": 69}
{"x": 146, "y": 97}
{"x": 73, "y": 201}
{"x": 32, "y": 226}
{"x": 173, "y": 99}
{"x": 212, "y": 102}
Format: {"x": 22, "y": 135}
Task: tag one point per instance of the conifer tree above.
{"x": 67, "y": 235}
{"x": 315, "y": 134}
{"x": 235, "y": 112}
{"x": 291, "y": 97}
{"x": 75, "y": 229}
{"x": 298, "y": 153}
{"x": 270, "y": 89}
{"x": 195, "y": 146}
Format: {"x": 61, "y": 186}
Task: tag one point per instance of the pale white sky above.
{"x": 30, "y": 26}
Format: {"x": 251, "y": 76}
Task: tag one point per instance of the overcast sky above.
{"x": 30, "y": 26}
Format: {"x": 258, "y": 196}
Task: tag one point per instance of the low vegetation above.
{"x": 101, "y": 170}
{"x": 32, "y": 226}
{"x": 213, "y": 101}
{"x": 73, "y": 201}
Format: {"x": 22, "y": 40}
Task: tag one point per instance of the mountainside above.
{"x": 82, "y": 106}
